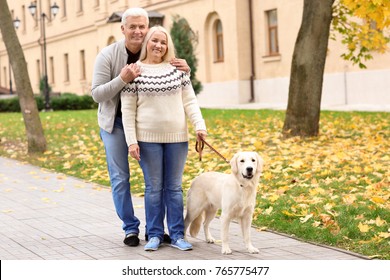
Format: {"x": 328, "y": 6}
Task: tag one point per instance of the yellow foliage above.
{"x": 365, "y": 29}
{"x": 364, "y": 228}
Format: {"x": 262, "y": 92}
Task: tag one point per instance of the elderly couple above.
{"x": 144, "y": 95}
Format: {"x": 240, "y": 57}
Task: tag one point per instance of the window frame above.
{"x": 272, "y": 33}
{"x": 219, "y": 53}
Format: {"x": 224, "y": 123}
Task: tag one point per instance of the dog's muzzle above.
{"x": 249, "y": 173}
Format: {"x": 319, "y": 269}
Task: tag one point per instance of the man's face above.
{"x": 135, "y": 30}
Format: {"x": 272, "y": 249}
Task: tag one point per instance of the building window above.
{"x": 80, "y": 6}
{"x": 218, "y": 31}
{"x": 23, "y": 19}
{"x": 83, "y": 75}
{"x": 48, "y": 10}
{"x": 5, "y": 74}
{"x": 111, "y": 40}
{"x": 51, "y": 61}
{"x": 63, "y": 8}
{"x": 272, "y": 21}
{"x": 66, "y": 70}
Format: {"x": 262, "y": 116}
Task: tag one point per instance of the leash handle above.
{"x": 199, "y": 145}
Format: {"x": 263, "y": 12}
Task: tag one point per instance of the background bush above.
{"x": 66, "y": 101}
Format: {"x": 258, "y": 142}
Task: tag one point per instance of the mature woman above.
{"x": 154, "y": 108}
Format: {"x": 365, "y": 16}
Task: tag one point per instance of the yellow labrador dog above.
{"x": 234, "y": 193}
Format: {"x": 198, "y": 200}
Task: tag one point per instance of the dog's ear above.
{"x": 260, "y": 163}
{"x": 233, "y": 164}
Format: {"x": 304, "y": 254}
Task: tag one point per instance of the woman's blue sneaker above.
{"x": 182, "y": 244}
{"x": 153, "y": 244}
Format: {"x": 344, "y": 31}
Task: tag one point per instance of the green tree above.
{"x": 185, "y": 41}
{"x": 34, "y": 130}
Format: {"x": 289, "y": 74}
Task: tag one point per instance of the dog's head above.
{"x": 247, "y": 165}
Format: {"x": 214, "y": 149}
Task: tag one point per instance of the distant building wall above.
{"x": 79, "y": 32}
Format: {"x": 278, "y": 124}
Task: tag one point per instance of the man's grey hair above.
{"x": 135, "y": 12}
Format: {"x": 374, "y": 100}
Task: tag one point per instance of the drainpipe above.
{"x": 345, "y": 85}
{"x": 252, "y": 88}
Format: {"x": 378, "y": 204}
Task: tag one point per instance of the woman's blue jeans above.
{"x": 119, "y": 172}
{"x": 163, "y": 166}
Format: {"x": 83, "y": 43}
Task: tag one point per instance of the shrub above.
{"x": 69, "y": 101}
{"x": 12, "y": 104}
{"x": 66, "y": 101}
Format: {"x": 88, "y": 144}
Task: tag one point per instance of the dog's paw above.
{"x": 253, "y": 250}
{"x": 226, "y": 250}
{"x": 210, "y": 240}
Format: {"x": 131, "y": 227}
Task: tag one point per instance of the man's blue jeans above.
{"x": 163, "y": 166}
{"x": 118, "y": 169}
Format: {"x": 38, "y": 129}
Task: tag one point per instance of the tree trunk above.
{"x": 307, "y": 70}
{"x": 35, "y": 136}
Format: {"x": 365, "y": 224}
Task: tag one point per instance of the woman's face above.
{"x": 157, "y": 46}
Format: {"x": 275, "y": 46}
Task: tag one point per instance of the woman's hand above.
{"x": 134, "y": 152}
{"x": 201, "y": 134}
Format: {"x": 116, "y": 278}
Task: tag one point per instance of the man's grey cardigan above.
{"x": 107, "y": 83}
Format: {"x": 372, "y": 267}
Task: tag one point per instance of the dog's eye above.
{"x": 242, "y": 160}
{"x": 253, "y": 160}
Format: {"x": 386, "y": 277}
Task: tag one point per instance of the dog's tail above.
{"x": 196, "y": 224}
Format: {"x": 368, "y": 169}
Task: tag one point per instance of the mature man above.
{"x": 114, "y": 68}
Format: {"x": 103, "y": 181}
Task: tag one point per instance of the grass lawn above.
{"x": 333, "y": 189}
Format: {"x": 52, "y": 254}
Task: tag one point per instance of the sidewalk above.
{"x": 283, "y": 106}
{"x": 51, "y": 216}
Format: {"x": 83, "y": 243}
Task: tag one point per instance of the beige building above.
{"x": 244, "y": 50}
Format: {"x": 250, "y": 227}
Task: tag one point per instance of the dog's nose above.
{"x": 249, "y": 169}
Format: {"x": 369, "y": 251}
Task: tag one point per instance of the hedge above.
{"x": 66, "y": 101}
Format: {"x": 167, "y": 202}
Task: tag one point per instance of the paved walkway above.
{"x": 283, "y": 106}
{"x": 51, "y": 216}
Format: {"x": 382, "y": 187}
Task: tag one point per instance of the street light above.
{"x": 16, "y": 23}
{"x": 54, "y": 11}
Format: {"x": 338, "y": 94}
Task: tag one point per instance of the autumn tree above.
{"x": 361, "y": 25}
{"x": 35, "y": 136}
{"x": 185, "y": 40}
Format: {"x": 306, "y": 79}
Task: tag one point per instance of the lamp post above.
{"x": 54, "y": 10}
{"x": 16, "y": 23}
{"x": 10, "y": 77}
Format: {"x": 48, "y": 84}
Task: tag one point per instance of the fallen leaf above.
{"x": 268, "y": 211}
{"x": 306, "y": 218}
{"x": 364, "y": 228}
{"x": 139, "y": 206}
{"x": 45, "y": 199}
{"x": 59, "y": 190}
{"x": 378, "y": 200}
{"x": 384, "y": 235}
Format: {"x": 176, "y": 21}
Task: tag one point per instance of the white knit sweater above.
{"x": 155, "y": 106}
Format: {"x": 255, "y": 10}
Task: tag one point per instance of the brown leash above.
{"x": 199, "y": 148}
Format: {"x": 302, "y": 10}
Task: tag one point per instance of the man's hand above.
{"x": 181, "y": 64}
{"x": 130, "y": 72}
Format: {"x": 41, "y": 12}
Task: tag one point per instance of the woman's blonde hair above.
{"x": 169, "y": 55}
